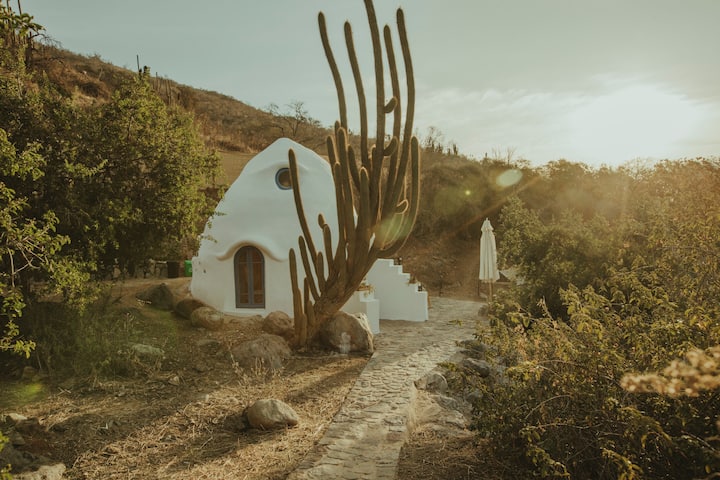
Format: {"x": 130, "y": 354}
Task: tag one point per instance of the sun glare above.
{"x": 633, "y": 121}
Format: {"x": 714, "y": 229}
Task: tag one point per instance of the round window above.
{"x": 282, "y": 179}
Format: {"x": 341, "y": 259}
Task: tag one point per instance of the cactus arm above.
{"x": 377, "y": 202}
{"x": 334, "y": 69}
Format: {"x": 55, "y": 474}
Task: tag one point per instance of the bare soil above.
{"x": 181, "y": 417}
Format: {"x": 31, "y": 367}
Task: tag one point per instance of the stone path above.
{"x": 366, "y": 435}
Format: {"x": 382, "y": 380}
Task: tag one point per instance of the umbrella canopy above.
{"x": 488, "y": 254}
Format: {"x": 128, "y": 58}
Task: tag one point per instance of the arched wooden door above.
{"x": 249, "y": 278}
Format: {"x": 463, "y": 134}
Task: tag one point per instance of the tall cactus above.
{"x": 377, "y": 192}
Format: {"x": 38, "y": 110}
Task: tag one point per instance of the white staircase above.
{"x": 399, "y": 297}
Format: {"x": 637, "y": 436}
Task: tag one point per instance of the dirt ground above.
{"x": 182, "y": 417}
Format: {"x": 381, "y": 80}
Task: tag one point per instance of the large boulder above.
{"x": 187, "y": 306}
{"x": 263, "y": 352}
{"x": 207, "y": 317}
{"x": 159, "y": 296}
{"x": 346, "y": 332}
{"x": 269, "y": 413}
{"x": 279, "y": 323}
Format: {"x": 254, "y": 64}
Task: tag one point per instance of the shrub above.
{"x": 561, "y": 411}
{"x": 90, "y": 343}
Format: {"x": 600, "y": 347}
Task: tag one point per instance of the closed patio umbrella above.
{"x": 488, "y": 258}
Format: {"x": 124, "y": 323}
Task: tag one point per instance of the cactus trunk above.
{"x": 377, "y": 190}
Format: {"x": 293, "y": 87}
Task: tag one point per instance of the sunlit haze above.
{"x": 594, "y": 82}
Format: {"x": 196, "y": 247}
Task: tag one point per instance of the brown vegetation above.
{"x": 180, "y": 417}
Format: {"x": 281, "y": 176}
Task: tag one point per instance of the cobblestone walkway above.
{"x": 366, "y": 435}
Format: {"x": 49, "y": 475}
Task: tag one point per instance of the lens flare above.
{"x": 509, "y": 178}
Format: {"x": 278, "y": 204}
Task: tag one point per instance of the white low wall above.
{"x": 364, "y": 301}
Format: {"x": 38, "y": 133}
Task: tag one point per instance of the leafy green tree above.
{"x": 147, "y": 198}
{"x": 551, "y": 255}
{"x": 126, "y": 179}
{"x": 26, "y": 244}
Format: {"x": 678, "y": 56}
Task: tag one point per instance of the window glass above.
{"x": 282, "y": 179}
{"x": 249, "y": 278}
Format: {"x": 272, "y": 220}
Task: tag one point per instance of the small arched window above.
{"x": 282, "y": 179}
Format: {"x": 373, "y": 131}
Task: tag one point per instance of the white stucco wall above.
{"x": 256, "y": 212}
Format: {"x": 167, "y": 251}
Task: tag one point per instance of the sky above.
{"x": 601, "y": 82}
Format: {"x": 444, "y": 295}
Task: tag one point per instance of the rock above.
{"x": 208, "y": 344}
{"x": 29, "y": 374}
{"x": 147, "y": 352}
{"x": 245, "y": 321}
{"x": 44, "y": 472}
{"x": 16, "y": 439}
{"x": 479, "y": 367}
{"x": 14, "y": 418}
{"x": 433, "y": 413}
{"x": 264, "y": 352}
{"x": 476, "y": 347}
{"x": 448, "y": 403}
{"x": 432, "y": 382}
{"x": 473, "y": 397}
{"x": 207, "y": 317}
{"x": 346, "y": 333}
{"x": 279, "y": 323}
{"x": 158, "y": 296}
{"x": 27, "y": 466}
{"x": 269, "y": 413}
{"x": 187, "y": 306}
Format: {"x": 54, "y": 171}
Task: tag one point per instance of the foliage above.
{"x": 85, "y": 187}
{"x": 295, "y": 122}
{"x": 549, "y": 256}
{"x": 27, "y": 244}
{"x": 634, "y": 298}
{"x": 459, "y": 193}
{"x": 560, "y": 408}
{"x": 149, "y": 198}
{"x": 126, "y": 179}
{"x": 18, "y": 31}
{"x": 95, "y": 342}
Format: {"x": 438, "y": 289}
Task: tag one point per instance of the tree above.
{"x": 434, "y": 140}
{"x": 294, "y": 121}
{"x": 26, "y": 244}
{"x": 377, "y": 193}
{"x": 147, "y": 197}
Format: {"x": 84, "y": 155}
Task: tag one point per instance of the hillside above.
{"x": 441, "y": 256}
{"x": 226, "y": 123}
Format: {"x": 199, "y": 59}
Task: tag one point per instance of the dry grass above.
{"x": 233, "y": 163}
{"x": 432, "y": 456}
{"x": 151, "y": 431}
{"x": 183, "y": 418}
